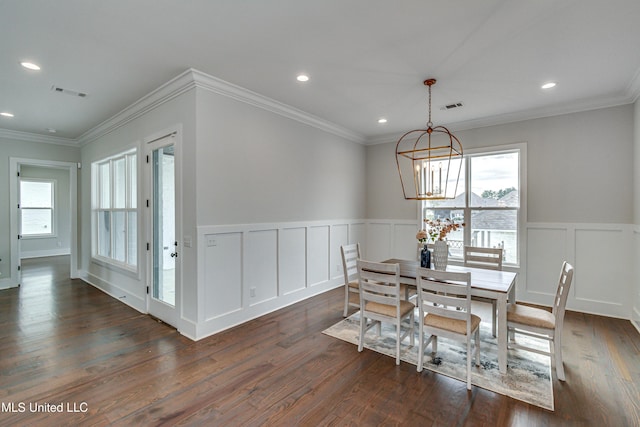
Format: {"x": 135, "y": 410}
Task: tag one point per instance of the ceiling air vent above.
{"x": 68, "y": 91}
{"x": 451, "y": 106}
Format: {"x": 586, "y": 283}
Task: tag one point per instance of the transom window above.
{"x": 488, "y": 201}
{"x": 114, "y": 210}
{"x": 36, "y": 207}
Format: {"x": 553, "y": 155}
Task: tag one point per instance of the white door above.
{"x": 163, "y": 253}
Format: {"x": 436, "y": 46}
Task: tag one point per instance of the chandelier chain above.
{"x": 429, "y": 123}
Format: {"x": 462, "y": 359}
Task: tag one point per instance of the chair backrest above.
{"x": 564, "y": 284}
{"x": 379, "y": 282}
{"x": 445, "y": 293}
{"x": 489, "y": 258}
{"x": 350, "y": 254}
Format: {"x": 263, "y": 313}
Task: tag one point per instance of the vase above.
{"x": 440, "y": 255}
{"x": 425, "y": 257}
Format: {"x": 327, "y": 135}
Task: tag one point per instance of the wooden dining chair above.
{"x": 350, "y": 254}
{"x": 489, "y": 258}
{"x": 380, "y": 301}
{"x": 444, "y": 301}
{"x": 540, "y": 323}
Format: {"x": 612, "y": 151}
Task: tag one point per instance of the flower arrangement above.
{"x": 437, "y": 229}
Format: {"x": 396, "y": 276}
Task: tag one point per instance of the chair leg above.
{"x": 469, "y": 356}
{"x": 478, "y": 347}
{"x": 557, "y": 353}
{"x": 493, "y": 318}
{"x": 420, "y": 347}
{"x": 346, "y": 300}
{"x": 398, "y": 331}
{"x": 363, "y": 322}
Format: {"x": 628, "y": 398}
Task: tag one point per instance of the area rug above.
{"x": 528, "y": 376}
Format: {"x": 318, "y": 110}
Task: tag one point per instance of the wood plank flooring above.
{"x": 64, "y": 342}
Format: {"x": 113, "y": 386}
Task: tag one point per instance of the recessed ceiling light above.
{"x": 4, "y": 113}
{"x": 548, "y": 85}
{"x": 51, "y": 130}
{"x": 30, "y": 66}
{"x": 382, "y": 120}
{"x": 302, "y": 78}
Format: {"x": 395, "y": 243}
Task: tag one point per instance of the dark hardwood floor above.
{"x": 64, "y": 342}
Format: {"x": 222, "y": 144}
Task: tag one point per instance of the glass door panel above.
{"x": 164, "y": 239}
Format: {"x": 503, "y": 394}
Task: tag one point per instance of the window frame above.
{"x": 54, "y": 216}
{"x": 521, "y": 149}
{"x": 131, "y": 205}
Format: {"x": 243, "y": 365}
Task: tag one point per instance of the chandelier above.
{"x": 429, "y": 161}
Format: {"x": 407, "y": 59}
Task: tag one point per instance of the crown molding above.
{"x": 241, "y": 94}
{"x": 193, "y": 78}
{"x": 531, "y": 114}
{"x": 36, "y": 137}
{"x": 173, "y": 88}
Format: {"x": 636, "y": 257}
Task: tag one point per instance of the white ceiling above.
{"x": 366, "y": 58}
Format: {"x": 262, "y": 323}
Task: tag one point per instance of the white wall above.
{"x": 275, "y": 200}
{"x": 636, "y": 211}
{"x": 130, "y": 288}
{"x": 19, "y": 148}
{"x": 266, "y": 200}
{"x": 257, "y": 166}
{"x": 60, "y": 243}
{"x": 579, "y": 205}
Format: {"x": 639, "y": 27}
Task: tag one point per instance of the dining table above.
{"x": 498, "y": 285}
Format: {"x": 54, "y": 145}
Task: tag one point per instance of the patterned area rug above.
{"x": 528, "y": 376}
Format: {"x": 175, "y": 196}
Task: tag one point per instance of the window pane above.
{"x": 455, "y": 239}
{"x": 496, "y": 229}
{"x": 35, "y": 194}
{"x": 494, "y": 180}
{"x": 132, "y": 238}
{"x": 119, "y": 183}
{"x": 36, "y": 221}
{"x": 105, "y": 186}
{"x": 104, "y": 234}
{"x": 119, "y": 236}
{"x": 133, "y": 181}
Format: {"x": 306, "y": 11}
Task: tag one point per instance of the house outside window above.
{"x": 37, "y": 201}
{"x": 488, "y": 201}
{"x": 114, "y": 210}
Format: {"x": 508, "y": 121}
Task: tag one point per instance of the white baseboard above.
{"x": 114, "y": 291}
{"x": 45, "y": 253}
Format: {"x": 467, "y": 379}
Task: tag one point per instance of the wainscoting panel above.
{"x": 548, "y": 249}
{"x": 605, "y": 280}
{"x": 262, "y": 270}
{"x": 339, "y": 237}
{"x": 602, "y": 255}
{"x": 292, "y": 260}
{"x": 288, "y": 262}
{"x": 223, "y": 273}
{"x": 318, "y": 255}
{"x": 279, "y": 264}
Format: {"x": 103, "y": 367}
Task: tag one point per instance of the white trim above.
{"x": 192, "y": 78}
{"x": 34, "y": 137}
{"x": 45, "y": 253}
{"x": 241, "y": 94}
{"x": 14, "y": 165}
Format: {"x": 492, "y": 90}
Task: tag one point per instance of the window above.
{"x": 488, "y": 201}
{"x": 36, "y": 207}
{"x": 114, "y": 211}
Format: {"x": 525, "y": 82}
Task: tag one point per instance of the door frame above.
{"x": 14, "y": 168}
{"x": 171, "y": 317}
